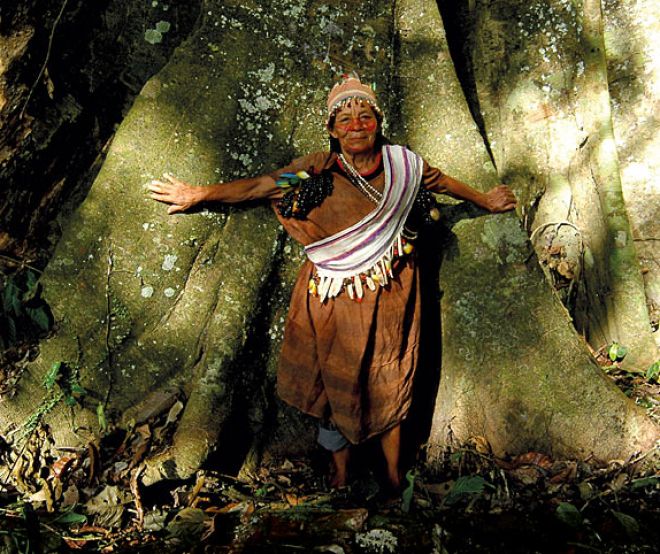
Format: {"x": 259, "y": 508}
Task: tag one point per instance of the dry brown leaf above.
{"x": 620, "y": 481}
{"x": 532, "y": 458}
{"x": 563, "y": 472}
{"x": 63, "y": 465}
{"x": 528, "y": 475}
{"x": 292, "y": 499}
{"x": 480, "y": 444}
{"x": 94, "y": 462}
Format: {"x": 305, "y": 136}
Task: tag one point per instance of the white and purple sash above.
{"x": 367, "y": 246}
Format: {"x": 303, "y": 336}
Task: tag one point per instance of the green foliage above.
{"x": 47, "y": 404}
{"x": 68, "y": 389}
{"x": 155, "y": 36}
{"x": 644, "y": 482}
{"x": 569, "y": 514}
{"x": 71, "y": 518}
{"x": 629, "y": 523}
{"x": 163, "y": 26}
{"x": 68, "y": 380}
{"x": 408, "y": 491}
{"x": 24, "y": 315}
{"x": 52, "y": 376}
{"x": 467, "y": 485}
{"x": 653, "y": 372}
{"x": 617, "y": 352}
{"x": 100, "y": 414}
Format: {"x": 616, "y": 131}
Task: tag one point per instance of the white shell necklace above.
{"x": 360, "y": 182}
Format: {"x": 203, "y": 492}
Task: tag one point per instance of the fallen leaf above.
{"x": 438, "y": 489}
{"x": 189, "y": 523}
{"x": 108, "y": 506}
{"x": 618, "y": 482}
{"x": 480, "y": 444}
{"x": 528, "y": 475}
{"x": 532, "y": 458}
{"x": 563, "y": 472}
{"x": 62, "y": 465}
{"x": 569, "y": 514}
{"x": 292, "y": 499}
{"x": 174, "y": 412}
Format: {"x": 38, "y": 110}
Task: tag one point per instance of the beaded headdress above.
{"x": 349, "y": 88}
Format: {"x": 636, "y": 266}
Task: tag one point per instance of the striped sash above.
{"x": 367, "y": 246}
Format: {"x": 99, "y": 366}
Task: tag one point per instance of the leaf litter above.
{"x": 92, "y": 500}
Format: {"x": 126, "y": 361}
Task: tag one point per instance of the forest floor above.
{"x": 91, "y": 500}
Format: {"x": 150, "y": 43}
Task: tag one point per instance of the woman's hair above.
{"x": 380, "y": 138}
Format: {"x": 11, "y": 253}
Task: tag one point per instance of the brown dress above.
{"x": 352, "y": 362}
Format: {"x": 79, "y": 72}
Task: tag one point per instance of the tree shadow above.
{"x": 456, "y": 22}
{"x": 434, "y": 247}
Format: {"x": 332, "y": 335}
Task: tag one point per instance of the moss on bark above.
{"x": 541, "y": 82}
{"x": 514, "y": 370}
{"x": 144, "y": 300}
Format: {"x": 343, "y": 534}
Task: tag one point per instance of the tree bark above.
{"x": 146, "y": 302}
{"x": 514, "y": 371}
{"x": 633, "y": 69}
{"x": 541, "y": 82}
{"x": 68, "y": 69}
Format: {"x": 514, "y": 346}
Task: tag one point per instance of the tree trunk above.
{"x": 633, "y": 68}
{"x": 514, "y": 371}
{"x": 147, "y": 303}
{"x": 541, "y": 82}
{"x": 68, "y": 68}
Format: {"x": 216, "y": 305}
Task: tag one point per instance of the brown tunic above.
{"x": 352, "y": 362}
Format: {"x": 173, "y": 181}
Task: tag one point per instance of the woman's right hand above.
{"x": 180, "y": 195}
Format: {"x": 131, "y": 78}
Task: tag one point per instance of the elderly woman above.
{"x": 351, "y": 340}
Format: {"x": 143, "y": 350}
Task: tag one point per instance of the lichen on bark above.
{"x": 146, "y": 302}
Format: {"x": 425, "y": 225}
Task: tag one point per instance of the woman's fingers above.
{"x": 171, "y": 190}
{"x": 502, "y": 199}
{"x": 166, "y": 191}
{"x": 173, "y": 180}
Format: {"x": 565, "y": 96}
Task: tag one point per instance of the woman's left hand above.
{"x": 500, "y": 199}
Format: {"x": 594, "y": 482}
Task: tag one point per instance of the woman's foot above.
{"x": 389, "y": 495}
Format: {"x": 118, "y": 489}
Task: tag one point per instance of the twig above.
{"x": 135, "y": 489}
{"x": 19, "y": 262}
{"x": 196, "y": 490}
{"x": 43, "y": 67}
{"x": 585, "y": 546}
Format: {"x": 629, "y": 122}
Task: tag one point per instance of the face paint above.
{"x": 356, "y": 124}
{"x": 355, "y": 127}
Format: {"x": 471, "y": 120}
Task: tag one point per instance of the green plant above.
{"x": 466, "y": 486}
{"x": 24, "y": 315}
{"x": 67, "y": 379}
{"x": 653, "y": 372}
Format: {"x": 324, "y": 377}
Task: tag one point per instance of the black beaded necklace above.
{"x": 307, "y": 195}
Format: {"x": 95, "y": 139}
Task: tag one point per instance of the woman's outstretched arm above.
{"x": 498, "y": 199}
{"x": 182, "y": 196}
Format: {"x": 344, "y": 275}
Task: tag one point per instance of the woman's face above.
{"x": 355, "y": 128}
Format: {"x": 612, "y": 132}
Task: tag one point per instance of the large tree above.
{"x": 150, "y": 306}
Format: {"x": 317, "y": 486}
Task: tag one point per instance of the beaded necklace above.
{"x": 360, "y": 182}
